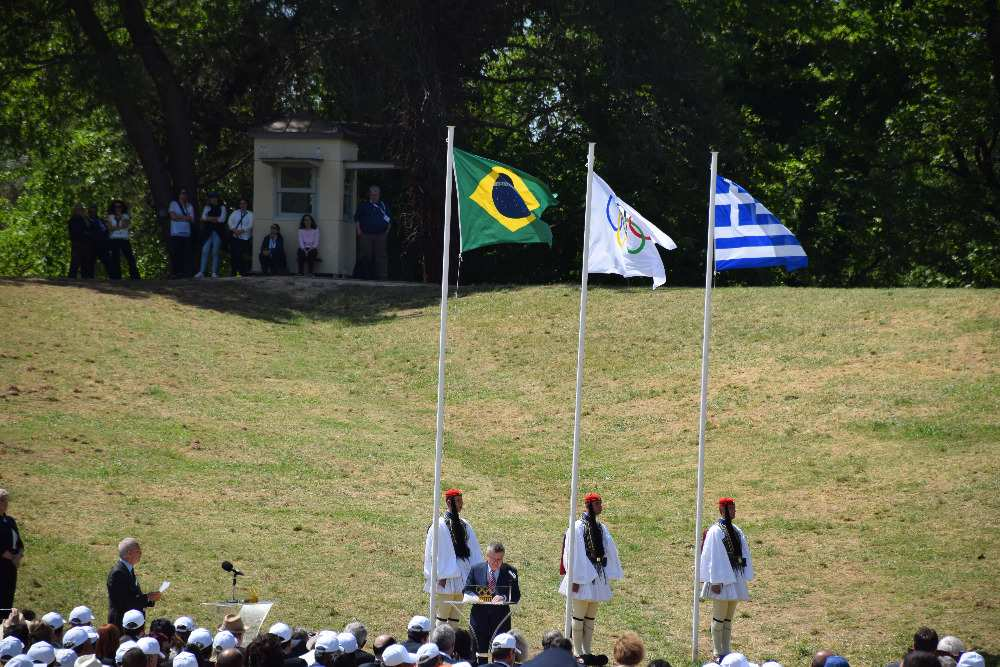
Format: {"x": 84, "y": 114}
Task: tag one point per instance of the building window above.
{"x": 296, "y": 191}
{"x": 350, "y": 194}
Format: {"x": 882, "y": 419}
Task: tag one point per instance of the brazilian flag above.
{"x": 499, "y": 204}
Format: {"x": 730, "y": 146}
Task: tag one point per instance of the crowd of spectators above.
{"x": 196, "y": 242}
{"x": 106, "y": 239}
{"x": 51, "y": 641}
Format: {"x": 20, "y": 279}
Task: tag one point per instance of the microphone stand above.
{"x": 232, "y": 597}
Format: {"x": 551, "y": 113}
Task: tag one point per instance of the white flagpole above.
{"x": 709, "y": 270}
{"x": 442, "y": 337}
{"x": 575, "y": 477}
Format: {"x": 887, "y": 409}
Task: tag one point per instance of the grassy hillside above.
{"x": 291, "y": 431}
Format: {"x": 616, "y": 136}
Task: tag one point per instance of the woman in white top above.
{"x": 241, "y": 230}
{"x": 120, "y": 225}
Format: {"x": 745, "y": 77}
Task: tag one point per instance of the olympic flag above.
{"x": 621, "y": 240}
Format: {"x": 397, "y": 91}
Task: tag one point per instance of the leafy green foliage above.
{"x": 869, "y": 127}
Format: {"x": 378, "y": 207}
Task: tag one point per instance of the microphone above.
{"x": 228, "y": 567}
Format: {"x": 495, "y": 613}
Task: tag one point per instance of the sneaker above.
{"x": 215, "y": 275}
{"x": 199, "y": 275}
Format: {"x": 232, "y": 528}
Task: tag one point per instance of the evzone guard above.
{"x": 595, "y": 566}
{"x": 725, "y": 569}
{"x": 458, "y": 552}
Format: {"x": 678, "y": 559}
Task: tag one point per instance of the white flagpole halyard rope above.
{"x": 442, "y": 338}
{"x": 575, "y": 476}
{"x": 703, "y": 415}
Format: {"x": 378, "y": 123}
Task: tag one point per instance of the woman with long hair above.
{"x": 308, "y": 253}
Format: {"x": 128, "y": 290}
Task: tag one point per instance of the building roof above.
{"x": 301, "y": 127}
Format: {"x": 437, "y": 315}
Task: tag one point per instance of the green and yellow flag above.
{"x": 499, "y": 204}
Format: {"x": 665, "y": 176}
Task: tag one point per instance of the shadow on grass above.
{"x": 281, "y": 300}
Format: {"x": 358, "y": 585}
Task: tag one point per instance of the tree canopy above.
{"x": 869, "y": 127}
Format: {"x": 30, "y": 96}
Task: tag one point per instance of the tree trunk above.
{"x": 173, "y": 97}
{"x": 137, "y": 129}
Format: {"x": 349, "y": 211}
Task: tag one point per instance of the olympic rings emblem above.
{"x": 624, "y": 220}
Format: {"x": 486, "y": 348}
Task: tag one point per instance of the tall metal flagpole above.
{"x": 442, "y": 337}
{"x": 575, "y": 477}
{"x": 709, "y": 271}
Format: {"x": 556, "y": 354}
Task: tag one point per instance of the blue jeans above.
{"x": 211, "y": 245}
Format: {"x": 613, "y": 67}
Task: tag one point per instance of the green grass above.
{"x": 292, "y": 431}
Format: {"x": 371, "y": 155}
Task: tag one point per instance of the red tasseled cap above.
{"x": 726, "y": 501}
{"x": 451, "y": 493}
{"x": 591, "y": 497}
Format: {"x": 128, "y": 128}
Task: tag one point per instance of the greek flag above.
{"x": 748, "y": 236}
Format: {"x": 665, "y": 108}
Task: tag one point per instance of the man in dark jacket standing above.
{"x": 495, "y": 584}
{"x": 101, "y": 237}
{"x": 81, "y": 258}
{"x": 11, "y": 553}
{"x": 123, "y": 587}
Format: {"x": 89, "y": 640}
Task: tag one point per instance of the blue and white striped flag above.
{"x": 748, "y": 236}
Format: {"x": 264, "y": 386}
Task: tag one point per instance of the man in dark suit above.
{"x": 123, "y": 587}
{"x": 11, "y": 553}
{"x": 496, "y": 584}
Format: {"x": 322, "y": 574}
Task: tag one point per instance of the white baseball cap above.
{"x": 504, "y": 641}
{"x": 124, "y": 648}
{"x": 150, "y": 646}
{"x": 75, "y": 637}
{"x": 42, "y": 653}
{"x": 54, "y": 620}
{"x": 91, "y": 633}
{"x": 396, "y": 655}
{"x": 20, "y": 661}
{"x": 951, "y": 644}
{"x": 185, "y": 659}
{"x": 771, "y": 663}
{"x": 427, "y": 652}
{"x": 968, "y": 659}
{"x": 11, "y": 646}
{"x": 736, "y": 660}
{"x": 184, "y": 624}
{"x": 421, "y": 623}
{"x": 133, "y": 619}
{"x": 200, "y": 637}
{"x": 348, "y": 642}
{"x": 224, "y": 640}
{"x": 281, "y": 630}
{"x": 88, "y": 661}
{"x": 327, "y": 641}
{"x": 81, "y": 615}
{"x": 66, "y": 657}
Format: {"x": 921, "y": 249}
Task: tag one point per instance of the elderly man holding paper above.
{"x": 124, "y": 593}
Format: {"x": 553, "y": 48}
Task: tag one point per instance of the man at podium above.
{"x": 496, "y": 585}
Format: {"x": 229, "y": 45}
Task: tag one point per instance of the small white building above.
{"x": 304, "y": 165}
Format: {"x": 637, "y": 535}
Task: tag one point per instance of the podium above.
{"x": 487, "y": 619}
{"x": 252, "y": 614}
